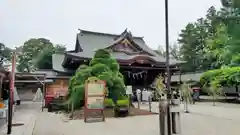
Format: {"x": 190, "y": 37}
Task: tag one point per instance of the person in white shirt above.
{"x": 145, "y": 96}
{"x": 139, "y": 93}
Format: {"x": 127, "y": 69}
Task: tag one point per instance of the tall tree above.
{"x": 44, "y": 59}
{"x": 189, "y": 48}
{"x": 174, "y": 51}
{"x": 218, "y": 47}
{"x": 193, "y": 40}
{"x": 34, "y": 52}
{"x": 5, "y": 53}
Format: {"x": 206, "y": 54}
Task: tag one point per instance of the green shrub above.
{"x": 102, "y": 67}
{"x": 124, "y": 102}
{"x": 225, "y": 76}
{"x": 108, "y": 102}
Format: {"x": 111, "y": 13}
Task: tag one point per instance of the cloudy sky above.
{"x": 59, "y": 20}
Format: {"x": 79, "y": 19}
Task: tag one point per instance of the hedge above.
{"x": 228, "y": 76}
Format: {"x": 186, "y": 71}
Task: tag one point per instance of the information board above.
{"x": 129, "y": 90}
{"x": 94, "y": 98}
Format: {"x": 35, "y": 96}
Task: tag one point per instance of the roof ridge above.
{"x": 103, "y": 33}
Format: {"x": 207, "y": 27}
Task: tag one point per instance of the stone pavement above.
{"x": 204, "y": 119}
{"x": 25, "y": 114}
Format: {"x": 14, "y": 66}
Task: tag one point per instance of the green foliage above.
{"x": 122, "y": 102}
{"x": 37, "y": 53}
{"x": 231, "y": 3}
{"x": 5, "y": 52}
{"x": 102, "y": 67}
{"x": 44, "y": 59}
{"x": 108, "y": 102}
{"x": 235, "y": 61}
{"x": 226, "y": 76}
{"x": 212, "y": 41}
{"x": 174, "y": 51}
{"x": 159, "y": 87}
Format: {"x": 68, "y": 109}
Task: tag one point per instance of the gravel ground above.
{"x": 204, "y": 119}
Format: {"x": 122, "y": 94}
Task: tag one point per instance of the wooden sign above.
{"x": 94, "y": 99}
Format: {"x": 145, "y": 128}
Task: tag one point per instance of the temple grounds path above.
{"x": 204, "y": 119}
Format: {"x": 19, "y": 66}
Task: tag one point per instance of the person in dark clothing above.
{"x": 5, "y": 95}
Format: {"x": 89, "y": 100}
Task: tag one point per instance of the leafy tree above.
{"x": 188, "y": 48}
{"x": 5, "y": 53}
{"x": 174, "y": 51}
{"x": 224, "y": 76}
{"x": 161, "y": 51}
{"x": 103, "y": 67}
{"x": 235, "y": 61}
{"x": 30, "y": 50}
{"x": 231, "y": 3}
{"x": 36, "y": 52}
{"x": 44, "y": 59}
{"x": 218, "y": 47}
{"x": 193, "y": 40}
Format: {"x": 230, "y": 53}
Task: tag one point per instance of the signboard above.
{"x": 94, "y": 98}
{"x": 129, "y": 90}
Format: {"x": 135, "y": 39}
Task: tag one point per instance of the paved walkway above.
{"x": 25, "y": 114}
{"x": 204, "y": 119}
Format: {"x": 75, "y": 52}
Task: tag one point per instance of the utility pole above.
{"x": 169, "y": 95}
{"x": 169, "y": 106}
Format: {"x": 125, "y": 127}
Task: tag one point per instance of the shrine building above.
{"x": 138, "y": 63}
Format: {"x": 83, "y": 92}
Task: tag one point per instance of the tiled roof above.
{"x": 92, "y": 41}
{"x": 57, "y": 60}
